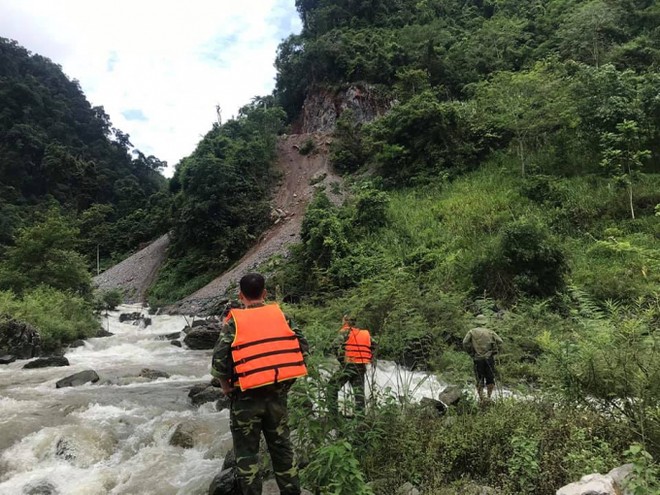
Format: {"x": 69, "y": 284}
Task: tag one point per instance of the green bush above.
{"x": 59, "y": 316}
{"x": 525, "y": 259}
{"x": 107, "y": 300}
{"x": 307, "y": 147}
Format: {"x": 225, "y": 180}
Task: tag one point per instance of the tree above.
{"x": 588, "y": 33}
{"x": 44, "y": 254}
{"x": 623, "y": 156}
{"x": 530, "y": 105}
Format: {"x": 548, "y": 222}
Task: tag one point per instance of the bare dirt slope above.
{"x": 136, "y": 273}
{"x": 301, "y": 176}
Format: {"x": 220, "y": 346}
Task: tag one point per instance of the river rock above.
{"x": 199, "y": 323}
{"x": 176, "y": 343}
{"x": 142, "y": 322}
{"x": 230, "y": 460}
{"x": 76, "y": 343}
{"x": 7, "y": 359}
{"x": 170, "y": 336}
{"x": 183, "y": 436}
{"x": 451, "y": 395}
{"x": 129, "y": 316}
{"x": 611, "y": 483}
{"x": 78, "y": 379}
{"x": 19, "y": 339}
{"x": 203, "y": 337}
{"x": 209, "y": 394}
{"x": 435, "y": 407}
{"x": 224, "y": 483}
{"x": 153, "y": 374}
{"x": 103, "y": 333}
{"x": 472, "y": 489}
{"x": 45, "y": 362}
{"x": 407, "y": 489}
{"x": 64, "y": 450}
{"x": 40, "y": 488}
{"x": 223, "y": 403}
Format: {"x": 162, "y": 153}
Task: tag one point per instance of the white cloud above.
{"x": 172, "y": 61}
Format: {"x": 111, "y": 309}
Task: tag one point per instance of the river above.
{"x": 113, "y": 436}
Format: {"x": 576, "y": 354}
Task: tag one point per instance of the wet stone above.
{"x": 176, "y": 343}
{"x": 77, "y": 343}
{"x": 103, "y": 333}
{"x": 170, "y": 336}
{"x": 7, "y": 359}
{"x": 46, "y": 362}
{"x": 153, "y": 374}
{"x": 183, "y": 436}
{"x": 40, "y": 488}
{"x": 78, "y": 379}
{"x": 129, "y": 316}
{"x": 64, "y": 450}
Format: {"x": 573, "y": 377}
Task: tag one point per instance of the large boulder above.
{"x": 7, "y": 359}
{"x": 45, "y": 362}
{"x": 224, "y": 483}
{"x": 203, "y": 337}
{"x": 611, "y": 483}
{"x": 19, "y": 339}
{"x": 78, "y": 379}
{"x": 183, "y": 436}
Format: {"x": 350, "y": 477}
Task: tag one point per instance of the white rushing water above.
{"x": 115, "y": 434}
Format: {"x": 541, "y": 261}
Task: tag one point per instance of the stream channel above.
{"x": 113, "y": 437}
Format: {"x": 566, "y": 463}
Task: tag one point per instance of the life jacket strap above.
{"x": 273, "y": 367}
{"x": 262, "y": 341}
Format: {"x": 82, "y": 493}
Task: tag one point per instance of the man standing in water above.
{"x": 354, "y": 350}
{"x": 258, "y": 356}
{"x": 482, "y": 344}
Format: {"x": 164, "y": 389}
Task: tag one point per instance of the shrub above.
{"x": 524, "y": 259}
{"x": 108, "y": 300}
{"x": 307, "y": 147}
{"x": 59, "y": 316}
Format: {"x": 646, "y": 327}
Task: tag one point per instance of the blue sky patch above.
{"x": 134, "y": 114}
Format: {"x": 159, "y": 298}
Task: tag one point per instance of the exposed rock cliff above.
{"x": 323, "y": 107}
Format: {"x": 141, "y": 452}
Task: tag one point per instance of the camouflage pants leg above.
{"x": 276, "y": 432}
{"x": 248, "y": 418}
{"x": 354, "y": 374}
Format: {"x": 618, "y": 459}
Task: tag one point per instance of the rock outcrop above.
{"x": 323, "y": 107}
{"x": 203, "y": 337}
{"x": 7, "y": 359}
{"x": 19, "y": 339}
{"x": 183, "y": 436}
{"x": 612, "y": 483}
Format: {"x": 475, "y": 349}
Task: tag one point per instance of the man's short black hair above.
{"x": 252, "y": 285}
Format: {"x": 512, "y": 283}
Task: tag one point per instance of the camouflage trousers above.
{"x": 250, "y": 416}
{"x": 354, "y": 374}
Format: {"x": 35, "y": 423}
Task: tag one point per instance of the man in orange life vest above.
{"x": 354, "y": 350}
{"x": 259, "y": 354}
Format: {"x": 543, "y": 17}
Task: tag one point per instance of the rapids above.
{"x": 112, "y": 437}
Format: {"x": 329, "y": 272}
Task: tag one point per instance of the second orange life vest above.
{"x": 357, "y": 348}
{"x": 265, "y": 349}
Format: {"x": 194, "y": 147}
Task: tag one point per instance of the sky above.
{"x": 158, "y": 67}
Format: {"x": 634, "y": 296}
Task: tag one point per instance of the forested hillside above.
{"x": 71, "y": 186}
{"x": 513, "y": 171}
{"x": 516, "y": 175}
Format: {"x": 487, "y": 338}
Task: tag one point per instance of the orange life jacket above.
{"x": 357, "y": 348}
{"x": 265, "y": 349}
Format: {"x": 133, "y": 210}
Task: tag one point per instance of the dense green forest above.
{"x": 516, "y": 174}
{"x": 70, "y": 185}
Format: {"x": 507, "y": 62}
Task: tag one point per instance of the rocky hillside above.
{"x": 304, "y": 167}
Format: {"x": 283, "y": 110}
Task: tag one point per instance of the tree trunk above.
{"x": 630, "y": 199}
